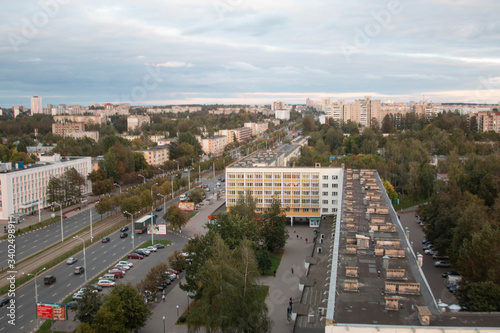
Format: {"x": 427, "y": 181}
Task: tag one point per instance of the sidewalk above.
{"x": 281, "y": 287}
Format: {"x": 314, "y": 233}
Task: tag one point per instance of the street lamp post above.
{"x": 36, "y": 291}
{"x": 142, "y": 177}
{"x": 119, "y": 187}
{"x": 189, "y": 179}
{"x": 177, "y": 312}
{"x": 172, "y": 182}
{"x": 177, "y": 164}
{"x": 164, "y": 196}
{"x": 131, "y": 229}
{"x": 62, "y": 227}
{"x": 84, "y": 257}
{"x": 152, "y": 214}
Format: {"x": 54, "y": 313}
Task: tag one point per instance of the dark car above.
{"x": 223, "y": 180}
{"x": 135, "y": 256}
{"x": 122, "y": 229}
{"x": 445, "y": 274}
{"x": 123, "y": 235}
{"x": 78, "y": 270}
{"x": 106, "y": 240}
{"x": 159, "y": 246}
{"x": 96, "y": 287}
{"x": 49, "y": 279}
{"x": 159, "y": 209}
{"x": 72, "y": 305}
{"x": 141, "y": 252}
{"x": 4, "y": 301}
{"x": 441, "y": 263}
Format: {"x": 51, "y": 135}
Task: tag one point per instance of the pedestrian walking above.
{"x": 306, "y": 240}
{"x": 274, "y": 273}
{"x": 294, "y": 231}
{"x": 297, "y": 236}
{"x": 163, "y": 298}
{"x": 292, "y": 270}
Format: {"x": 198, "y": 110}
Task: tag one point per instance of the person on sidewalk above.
{"x": 292, "y": 270}
{"x": 274, "y": 273}
{"x": 163, "y": 298}
{"x": 306, "y": 240}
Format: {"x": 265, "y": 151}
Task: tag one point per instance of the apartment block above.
{"x": 282, "y": 114}
{"x": 257, "y": 128}
{"x": 157, "y": 155}
{"x": 36, "y": 105}
{"x": 239, "y": 134}
{"x": 88, "y": 120}
{"x": 488, "y": 121}
{"x": 214, "y": 145}
{"x": 24, "y": 188}
{"x": 63, "y": 129}
{"x": 136, "y": 121}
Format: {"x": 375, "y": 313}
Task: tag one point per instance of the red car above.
{"x": 118, "y": 273}
{"x": 135, "y": 256}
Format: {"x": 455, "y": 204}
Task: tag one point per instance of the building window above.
{"x": 296, "y": 192}
{"x": 268, "y": 184}
{"x": 258, "y": 176}
{"x": 259, "y": 201}
{"x": 325, "y": 177}
{"x": 277, "y": 192}
{"x": 277, "y": 185}
{"x": 325, "y": 210}
{"x": 268, "y": 176}
{"x": 306, "y": 185}
{"x": 325, "y": 185}
{"x": 287, "y": 209}
{"x": 277, "y": 176}
{"x": 305, "y": 192}
{"x": 296, "y": 210}
{"x": 268, "y": 201}
{"x": 306, "y": 201}
{"x": 315, "y": 185}
{"x": 335, "y": 177}
{"x": 325, "y": 193}
{"x": 305, "y": 210}
{"x": 240, "y": 184}
{"x": 315, "y": 201}
{"x": 249, "y": 184}
{"x": 258, "y": 184}
{"x": 335, "y": 185}
{"x": 241, "y": 192}
{"x": 296, "y": 201}
{"x": 315, "y": 193}
{"x": 315, "y": 210}
{"x": 334, "y": 194}
{"x": 334, "y": 210}
{"x": 315, "y": 176}
{"x": 287, "y": 201}
{"x": 334, "y": 202}
{"x": 288, "y": 193}
{"x": 268, "y": 192}
{"x": 325, "y": 202}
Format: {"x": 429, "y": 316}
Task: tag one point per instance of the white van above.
{"x": 183, "y": 197}
{"x": 108, "y": 277}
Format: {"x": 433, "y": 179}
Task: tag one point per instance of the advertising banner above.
{"x": 186, "y": 206}
{"x": 51, "y": 311}
{"x": 157, "y": 229}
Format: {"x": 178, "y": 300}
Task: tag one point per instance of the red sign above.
{"x": 51, "y": 311}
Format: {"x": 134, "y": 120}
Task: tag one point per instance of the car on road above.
{"x": 128, "y": 263}
{"x": 123, "y": 235}
{"x": 123, "y": 229}
{"x": 135, "y": 256}
{"x": 159, "y": 209}
{"x": 159, "y": 246}
{"x": 106, "y": 283}
{"x": 106, "y": 239}
{"x": 218, "y": 184}
{"x": 49, "y": 279}
{"x": 442, "y": 263}
{"x": 78, "y": 270}
{"x": 4, "y": 301}
{"x": 71, "y": 260}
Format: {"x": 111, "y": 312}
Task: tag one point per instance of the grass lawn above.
{"x": 407, "y": 202}
{"x": 276, "y": 260}
{"x": 193, "y": 213}
{"x": 263, "y": 291}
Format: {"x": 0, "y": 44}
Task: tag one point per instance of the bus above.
{"x": 141, "y": 225}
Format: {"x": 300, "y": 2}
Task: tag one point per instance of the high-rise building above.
{"x": 36, "y": 105}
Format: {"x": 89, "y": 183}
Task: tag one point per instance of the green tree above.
{"x": 110, "y": 317}
{"x": 274, "y": 232}
{"x": 480, "y": 296}
{"x": 197, "y": 195}
{"x": 84, "y": 328}
{"x": 88, "y": 306}
{"x": 233, "y": 228}
{"x": 263, "y": 260}
{"x": 176, "y": 216}
{"x": 177, "y": 261}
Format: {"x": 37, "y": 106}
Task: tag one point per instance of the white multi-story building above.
{"x": 36, "y": 105}
{"x": 282, "y": 114}
{"x": 304, "y": 192}
{"x": 257, "y": 128}
{"x": 136, "y": 121}
{"x": 24, "y": 188}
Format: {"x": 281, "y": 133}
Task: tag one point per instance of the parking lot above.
{"x": 432, "y": 274}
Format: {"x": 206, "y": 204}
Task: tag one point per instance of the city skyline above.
{"x": 242, "y": 52}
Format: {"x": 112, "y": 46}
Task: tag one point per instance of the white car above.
{"x": 106, "y": 283}
{"x": 151, "y": 249}
{"x": 125, "y": 267}
{"x": 128, "y": 263}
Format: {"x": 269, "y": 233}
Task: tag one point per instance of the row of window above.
{"x": 286, "y": 175}
{"x": 287, "y": 193}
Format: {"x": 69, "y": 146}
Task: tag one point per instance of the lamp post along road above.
{"x": 164, "y": 196}
{"x": 36, "y": 291}
{"x": 132, "y": 230}
{"x": 84, "y": 257}
{"x": 152, "y": 214}
{"x": 62, "y": 227}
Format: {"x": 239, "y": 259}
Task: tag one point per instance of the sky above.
{"x": 160, "y": 52}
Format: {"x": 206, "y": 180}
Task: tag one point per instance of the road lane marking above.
{"x": 20, "y": 306}
{"x": 69, "y": 284}
{"x": 20, "y": 297}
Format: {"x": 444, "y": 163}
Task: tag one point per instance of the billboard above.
{"x": 157, "y": 229}
{"x": 186, "y": 206}
{"x": 51, "y": 311}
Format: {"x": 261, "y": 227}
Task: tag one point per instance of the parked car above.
{"x": 77, "y": 296}
{"x": 123, "y": 267}
{"x": 123, "y": 235}
{"x": 96, "y": 287}
{"x": 135, "y": 256}
{"x": 71, "y": 260}
{"x": 123, "y": 229}
{"x": 159, "y": 246}
{"x": 106, "y": 239}
{"x": 4, "y": 301}
{"x": 445, "y": 274}
{"x": 72, "y": 305}
{"x": 142, "y": 252}
{"x": 430, "y": 252}
{"x": 49, "y": 279}
{"x": 159, "y": 209}
{"x": 442, "y": 263}
{"x": 151, "y": 249}
{"x": 427, "y": 246}
{"x": 118, "y": 273}
{"x": 106, "y": 283}
{"x": 78, "y": 270}
{"x": 453, "y": 287}
{"x": 92, "y": 290}
{"x": 424, "y": 241}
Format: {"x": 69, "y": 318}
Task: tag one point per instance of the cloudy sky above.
{"x": 248, "y": 51}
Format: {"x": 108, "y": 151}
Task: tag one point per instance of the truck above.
{"x": 141, "y": 225}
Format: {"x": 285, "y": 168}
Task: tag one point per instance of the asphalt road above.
{"x": 432, "y": 273}
{"x": 99, "y": 257}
